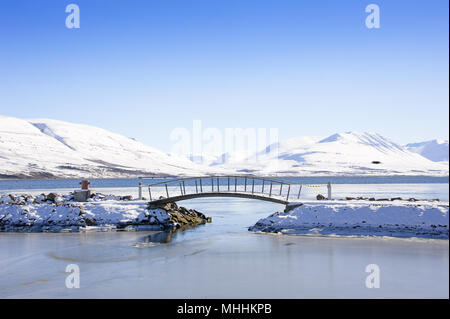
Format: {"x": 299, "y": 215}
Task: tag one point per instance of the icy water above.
{"x": 6, "y": 185}
{"x": 224, "y": 260}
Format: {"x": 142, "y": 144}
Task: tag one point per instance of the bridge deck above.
{"x": 260, "y": 188}
{"x": 219, "y": 194}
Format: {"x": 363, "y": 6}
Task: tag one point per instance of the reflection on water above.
{"x": 164, "y": 237}
{"x": 152, "y": 240}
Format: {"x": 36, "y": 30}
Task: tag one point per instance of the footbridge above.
{"x": 259, "y": 188}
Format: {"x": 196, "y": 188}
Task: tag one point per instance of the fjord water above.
{"x": 224, "y": 260}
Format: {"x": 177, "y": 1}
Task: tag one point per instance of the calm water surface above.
{"x": 220, "y": 260}
{"x": 132, "y": 182}
{"x": 224, "y": 260}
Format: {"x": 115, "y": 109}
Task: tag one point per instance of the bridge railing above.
{"x": 221, "y": 184}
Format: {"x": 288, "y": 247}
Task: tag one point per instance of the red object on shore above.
{"x": 85, "y": 184}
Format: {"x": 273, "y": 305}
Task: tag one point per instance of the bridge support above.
{"x": 329, "y": 190}
{"x": 140, "y": 191}
{"x": 291, "y": 206}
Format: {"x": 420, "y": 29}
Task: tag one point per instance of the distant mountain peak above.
{"x": 351, "y": 136}
{"x": 435, "y": 150}
{"x": 348, "y": 153}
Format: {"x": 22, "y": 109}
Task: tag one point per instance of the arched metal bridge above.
{"x": 259, "y": 188}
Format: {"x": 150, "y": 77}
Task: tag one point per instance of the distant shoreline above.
{"x": 15, "y": 178}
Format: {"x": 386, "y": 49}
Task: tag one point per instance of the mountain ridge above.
{"x": 45, "y": 148}
{"x": 435, "y": 150}
{"x": 349, "y": 153}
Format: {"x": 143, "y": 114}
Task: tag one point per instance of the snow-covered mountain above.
{"x": 45, "y": 148}
{"x": 434, "y": 150}
{"x": 351, "y": 153}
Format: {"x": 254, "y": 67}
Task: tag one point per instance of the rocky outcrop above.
{"x": 55, "y": 212}
{"x": 181, "y": 217}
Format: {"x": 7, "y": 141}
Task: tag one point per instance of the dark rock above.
{"x": 51, "y": 197}
{"x": 90, "y": 221}
{"x": 184, "y": 217}
{"x": 350, "y": 198}
{"x": 320, "y": 197}
{"x": 396, "y": 198}
{"x": 170, "y": 206}
{"x": 128, "y": 197}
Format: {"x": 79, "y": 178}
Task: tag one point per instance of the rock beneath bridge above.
{"x": 181, "y": 217}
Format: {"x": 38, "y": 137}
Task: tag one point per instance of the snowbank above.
{"x": 398, "y": 219}
{"x": 25, "y": 213}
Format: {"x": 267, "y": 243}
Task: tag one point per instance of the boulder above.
{"x": 51, "y": 197}
{"x": 90, "y": 221}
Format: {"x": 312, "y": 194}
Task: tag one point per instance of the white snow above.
{"x": 397, "y": 218}
{"x": 435, "y": 150}
{"x": 50, "y": 148}
{"x": 351, "y": 153}
{"x": 108, "y": 212}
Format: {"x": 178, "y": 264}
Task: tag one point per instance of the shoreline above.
{"x": 351, "y": 237}
{"x": 398, "y": 218}
{"x": 61, "y": 213}
{"x": 55, "y": 178}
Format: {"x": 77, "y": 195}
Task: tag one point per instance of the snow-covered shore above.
{"x": 54, "y": 212}
{"x": 428, "y": 219}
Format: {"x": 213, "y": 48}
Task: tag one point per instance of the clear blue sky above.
{"x": 142, "y": 68}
